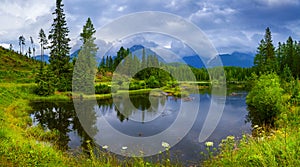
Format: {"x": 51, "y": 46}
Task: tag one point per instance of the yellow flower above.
{"x": 230, "y": 137}
{"x": 209, "y": 144}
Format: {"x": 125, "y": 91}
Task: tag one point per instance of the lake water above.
{"x": 62, "y": 116}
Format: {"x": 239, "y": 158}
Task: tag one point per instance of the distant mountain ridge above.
{"x": 47, "y": 57}
{"x": 39, "y": 58}
{"x": 238, "y": 59}
{"x": 137, "y": 50}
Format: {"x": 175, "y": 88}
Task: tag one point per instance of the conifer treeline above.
{"x": 281, "y": 60}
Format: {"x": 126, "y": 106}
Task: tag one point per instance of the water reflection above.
{"x": 141, "y": 108}
{"x": 62, "y": 116}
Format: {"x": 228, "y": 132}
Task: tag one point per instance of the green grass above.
{"x": 275, "y": 147}
{"x": 16, "y": 68}
{"x": 12, "y": 61}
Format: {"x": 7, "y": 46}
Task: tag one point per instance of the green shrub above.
{"x": 265, "y": 100}
{"x": 136, "y": 85}
{"x": 102, "y": 89}
{"x": 152, "y": 82}
{"x": 45, "y": 83}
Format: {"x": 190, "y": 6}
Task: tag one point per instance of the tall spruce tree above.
{"x": 59, "y": 49}
{"x": 84, "y": 73}
{"x": 265, "y": 59}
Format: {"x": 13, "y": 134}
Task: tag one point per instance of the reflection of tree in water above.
{"x": 85, "y": 122}
{"x": 141, "y": 102}
{"x": 55, "y": 115}
{"x": 60, "y": 116}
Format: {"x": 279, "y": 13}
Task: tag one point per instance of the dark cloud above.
{"x": 231, "y": 25}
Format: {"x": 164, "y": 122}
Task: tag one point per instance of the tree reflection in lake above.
{"x": 73, "y": 134}
{"x": 62, "y": 116}
{"x": 55, "y": 115}
{"x": 144, "y": 108}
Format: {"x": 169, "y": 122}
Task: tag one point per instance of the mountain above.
{"x": 238, "y": 59}
{"x": 46, "y": 57}
{"x": 75, "y": 54}
{"x": 138, "y": 51}
{"x": 194, "y": 61}
{"x": 39, "y": 58}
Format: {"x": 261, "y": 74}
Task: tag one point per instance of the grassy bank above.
{"x": 18, "y": 146}
{"x": 279, "y": 147}
{"x": 277, "y": 141}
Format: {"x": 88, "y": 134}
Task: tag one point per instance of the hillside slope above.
{"x": 10, "y": 60}
{"x": 16, "y": 68}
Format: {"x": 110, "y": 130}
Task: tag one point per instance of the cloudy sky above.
{"x": 231, "y": 25}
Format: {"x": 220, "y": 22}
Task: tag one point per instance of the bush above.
{"x": 102, "y": 89}
{"x": 136, "y": 85}
{"x": 265, "y": 100}
{"x": 152, "y": 82}
{"x": 45, "y": 83}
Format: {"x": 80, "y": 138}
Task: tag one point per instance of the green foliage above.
{"x": 102, "y": 89}
{"x": 45, "y": 82}
{"x": 59, "y": 50}
{"x": 265, "y": 100}
{"x": 268, "y": 150}
{"x": 83, "y": 77}
{"x": 295, "y": 98}
{"x": 288, "y": 54}
{"x": 152, "y": 82}
{"x": 265, "y": 59}
{"x": 135, "y": 85}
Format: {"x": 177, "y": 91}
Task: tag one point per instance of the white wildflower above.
{"x": 165, "y": 144}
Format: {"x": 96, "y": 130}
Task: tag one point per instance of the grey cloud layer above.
{"x": 231, "y": 25}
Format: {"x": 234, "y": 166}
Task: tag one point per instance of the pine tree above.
{"x": 33, "y": 47}
{"x": 110, "y": 64}
{"x": 43, "y": 42}
{"x": 29, "y": 52}
{"x": 136, "y": 64}
{"x": 21, "y": 43}
{"x": 121, "y": 54}
{"x": 288, "y": 55}
{"x": 83, "y": 79}
{"x": 101, "y": 67}
{"x": 265, "y": 59}
{"x": 59, "y": 49}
